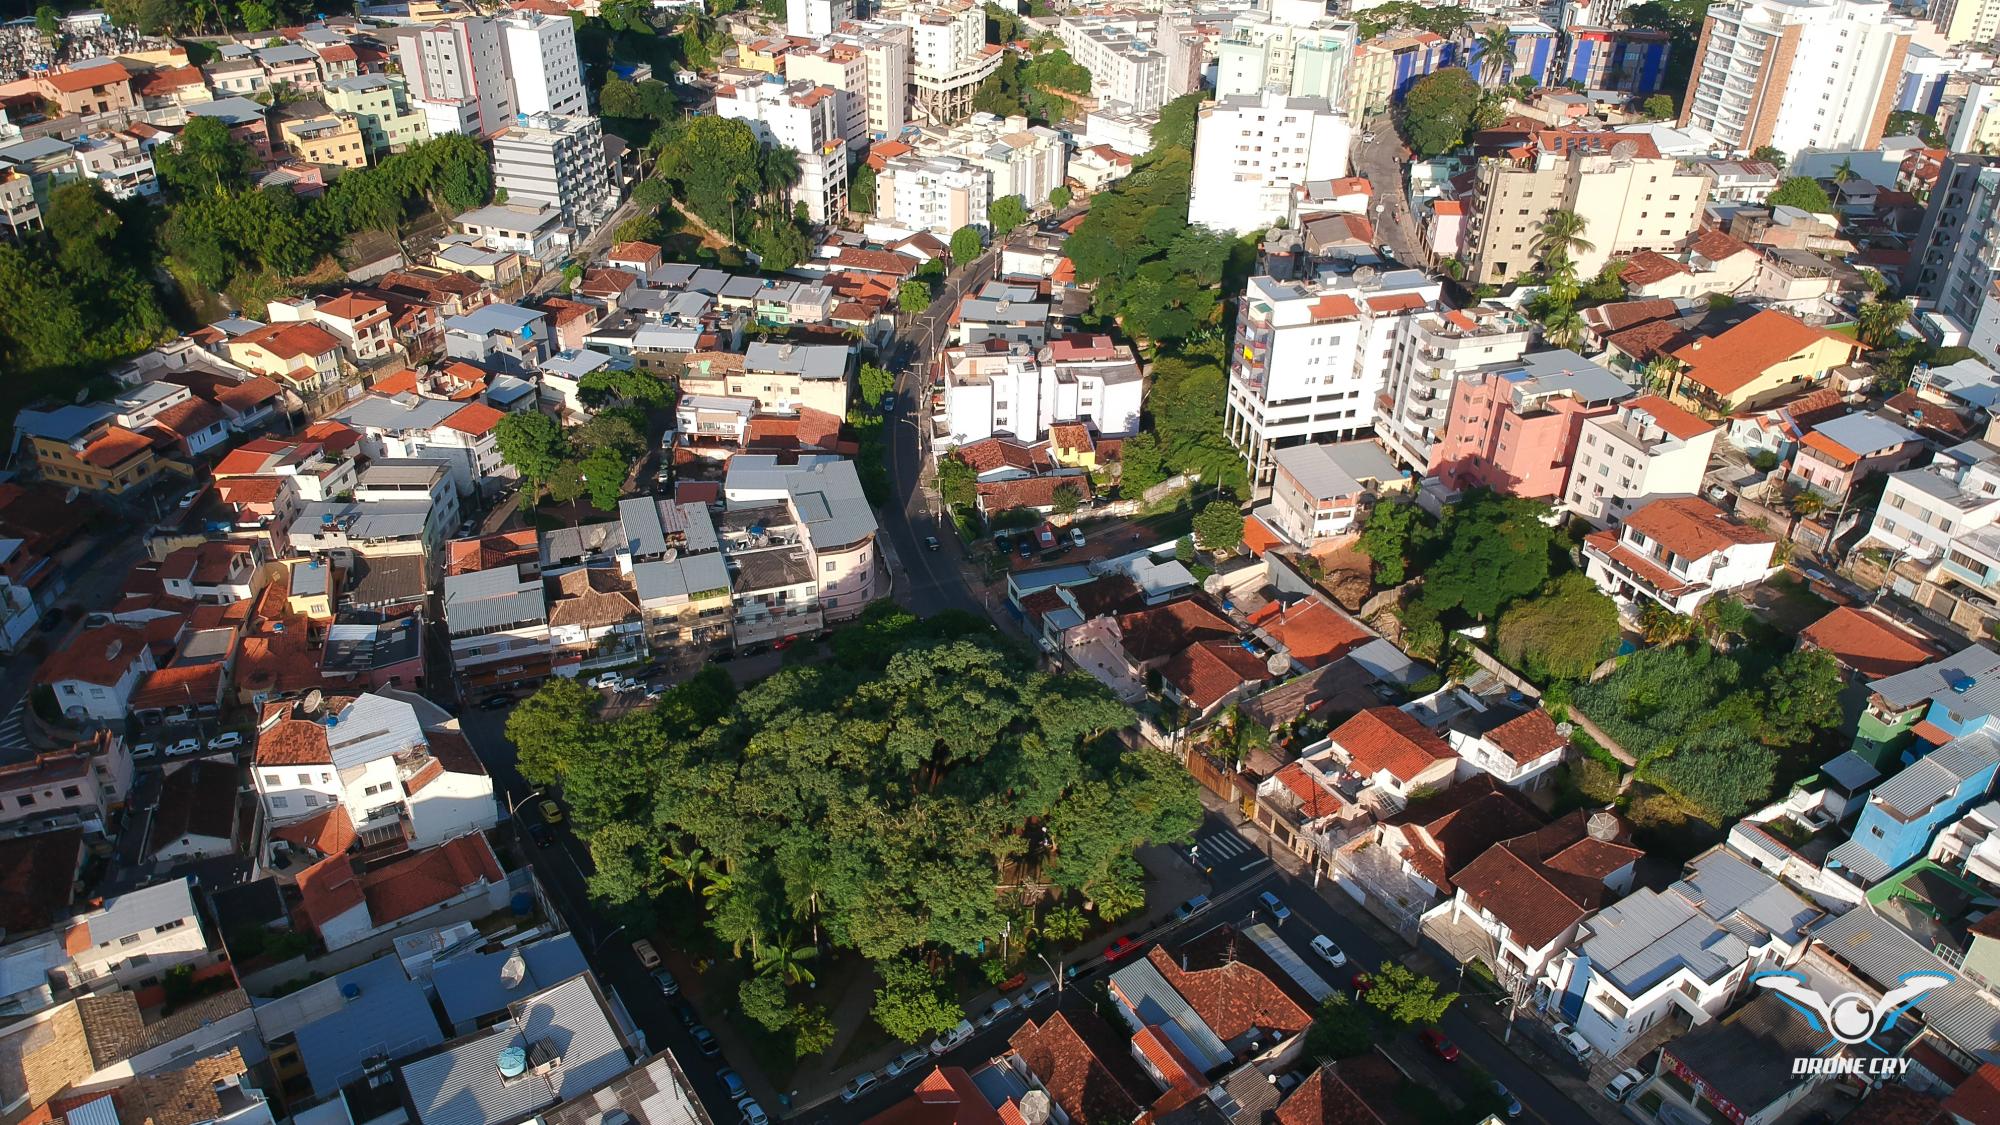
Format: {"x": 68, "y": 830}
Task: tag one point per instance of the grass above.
{"x": 1668, "y": 827}
{"x": 1794, "y": 606}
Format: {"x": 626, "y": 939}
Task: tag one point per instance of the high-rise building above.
{"x": 1296, "y": 50}
{"x": 1433, "y": 352}
{"x": 869, "y": 63}
{"x": 1251, "y": 151}
{"x": 457, "y": 75}
{"x": 949, "y": 55}
{"x": 558, "y": 161}
{"x": 816, "y": 19}
{"x": 540, "y": 52}
{"x": 1959, "y": 243}
{"x": 842, "y": 68}
{"x": 805, "y": 119}
{"x": 1310, "y": 359}
{"x": 1967, "y": 21}
{"x": 935, "y": 193}
{"x": 1796, "y": 74}
{"x": 1386, "y": 66}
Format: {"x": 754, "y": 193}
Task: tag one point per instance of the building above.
{"x": 1905, "y": 813}
{"x": 1631, "y": 60}
{"x": 807, "y": 120}
{"x": 949, "y": 55}
{"x": 457, "y": 75}
{"x": 85, "y": 447}
{"x": 331, "y": 140}
{"x": 380, "y": 105}
{"x": 539, "y": 52}
{"x": 495, "y": 613}
{"x": 936, "y": 194}
{"x": 1954, "y": 249}
{"x": 816, "y": 19}
{"x": 1019, "y": 160}
{"x": 137, "y": 936}
{"x": 500, "y": 337}
{"x": 1630, "y": 202}
{"x": 1515, "y": 428}
{"x": 1310, "y": 361}
{"x": 1251, "y": 151}
{"x": 782, "y": 519}
{"x": 557, "y": 1045}
{"x": 1678, "y": 553}
{"x": 1294, "y": 48}
{"x": 119, "y": 163}
{"x": 94, "y": 674}
{"x": 1974, "y": 22}
{"x": 306, "y": 358}
{"x": 1758, "y": 361}
{"x": 1427, "y": 359}
{"x": 560, "y": 162}
{"x": 1386, "y": 66}
{"x": 1011, "y": 388}
{"x": 1124, "y": 63}
{"x": 1755, "y": 56}
{"x": 1838, "y": 453}
{"x": 89, "y": 91}
{"x": 1322, "y": 491}
{"x": 536, "y": 233}
{"x": 1647, "y": 449}
{"x": 870, "y": 65}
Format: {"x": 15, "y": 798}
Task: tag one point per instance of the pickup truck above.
{"x": 1045, "y": 537}
{"x": 647, "y": 955}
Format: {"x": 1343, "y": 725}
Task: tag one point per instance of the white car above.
{"x": 1623, "y": 1083}
{"x": 603, "y": 680}
{"x": 227, "y": 740}
{"x": 1328, "y": 952}
{"x": 908, "y": 1060}
{"x": 1574, "y": 1042}
{"x": 143, "y": 750}
{"x": 184, "y": 746}
{"x": 859, "y": 1085}
{"x": 952, "y": 1038}
{"x": 628, "y": 686}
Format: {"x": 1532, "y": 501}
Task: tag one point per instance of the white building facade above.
{"x": 1251, "y": 151}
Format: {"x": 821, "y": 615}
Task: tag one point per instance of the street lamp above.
{"x": 514, "y": 805}
{"x": 599, "y": 947}
{"x": 1055, "y": 970}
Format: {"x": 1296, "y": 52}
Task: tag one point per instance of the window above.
{"x": 72, "y": 792}
{"x": 129, "y": 939}
{"x": 305, "y": 779}
{"x": 173, "y": 925}
{"x": 312, "y": 800}
{"x": 279, "y": 802}
{"x": 25, "y": 801}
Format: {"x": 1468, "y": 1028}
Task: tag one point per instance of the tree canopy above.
{"x": 1563, "y": 633}
{"x": 1218, "y": 526}
{"x": 1802, "y": 192}
{"x": 1496, "y": 549}
{"x": 1438, "y": 111}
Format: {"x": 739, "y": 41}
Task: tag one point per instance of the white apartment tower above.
{"x": 1975, "y": 22}
{"x": 558, "y": 161}
{"x": 1797, "y": 74}
{"x": 1310, "y": 359}
{"x": 1295, "y": 48}
{"x": 816, "y": 19}
{"x": 1250, "y": 151}
{"x": 949, "y": 55}
{"x": 938, "y": 194}
{"x": 805, "y": 119}
{"x": 1433, "y": 351}
{"x": 457, "y": 75}
{"x": 540, "y": 52}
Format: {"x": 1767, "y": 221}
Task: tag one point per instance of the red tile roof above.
{"x": 163, "y": 82}
{"x": 1075, "y": 1077}
{"x": 1029, "y": 492}
{"x": 1676, "y": 421}
{"x": 179, "y": 685}
{"x": 329, "y": 889}
{"x": 1727, "y": 362}
{"x": 115, "y": 446}
{"x": 293, "y": 742}
{"x": 1162, "y": 630}
{"x": 89, "y": 78}
{"x": 100, "y": 655}
{"x": 1206, "y": 671}
{"x": 1231, "y": 998}
{"x": 1324, "y": 1099}
{"x": 1314, "y": 632}
{"x": 988, "y": 454}
{"x": 1692, "y": 527}
{"x": 946, "y": 1096}
{"x": 1528, "y": 737}
{"x": 1716, "y": 246}
{"x": 1541, "y": 884}
{"x": 475, "y": 418}
{"x": 429, "y": 877}
{"x": 1385, "y": 738}
{"x": 291, "y": 341}
{"x": 634, "y": 252}
{"x": 1977, "y": 1099}
{"x": 1448, "y": 830}
{"x": 1868, "y": 644}
{"x": 1315, "y": 800}
{"x": 1647, "y": 267}
{"x": 329, "y": 832}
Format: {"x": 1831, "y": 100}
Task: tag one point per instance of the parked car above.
{"x": 995, "y": 1012}
{"x": 908, "y": 1060}
{"x": 1275, "y": 905}
{"x": 495, "y": 702}
{"x": 649, "y": 958}
{"x": 704, "y": 1040}
{"x": 541, "y": 835}
{"x": 1434, "y": 1041}
{"x": 1076, "y": 537}
{"x": 1623, "y": 1083}
{"x": 888, "y": 404}
{"x": 1123, "y": 947}
{"x": 1328, "y": 952}
{"x": 1045, "y": 536}
{"x": 1003, "y": 542}
{"x": 603, "y": 680}
{"x": 629, "y": 686}
{"x": 686, "y": 1014}
{"x": 184, "y": 746}
{"x": 1574, "y": 1042}
{"x": 732, "y": 1082}
{"x": 859, "y": 1085}
{"x": 668, "y": 985}
{"x": 143, "y": 750}
{"x": 1191, "y": 907}
{"x": 1510, "y": 1106}
{"x": 551, "y": 812}
{"x": 1028, "y": 547}
{"x": 952, "y": 1038}
{"x": 931, "y": 542}
{"x": 227, "y": 740}
{"x": 753, "y": 1114}
{"x": 1036, "y": 992}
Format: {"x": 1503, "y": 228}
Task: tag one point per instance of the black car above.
{"x": 888, "y": 404}
{"x": 495, "y": 702}
{"x": 704, "y": 1040}
{"x": 51, "y": 619}
{"x": 931, "y": 542}
{"x": 540, "y": 834}
{"x": 688, "y": 1017}
{"x": 1028, "y": 548}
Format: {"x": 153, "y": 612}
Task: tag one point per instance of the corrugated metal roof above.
{"x": 1922, "y": 784}
{"x": 1155, "y": 1004}
{"x": 370, "y": 728}
{"x": 472, "y": 986}
{"x": 1864, "y": 863}
{"x": 140, "y": 911}
{"x": 1906, "y": 689}
{"x": 1880, "y": 950}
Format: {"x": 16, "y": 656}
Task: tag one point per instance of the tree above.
{"x": 1562, "y": 634}
{"x": 204, "y": 158}
{"x": 551, "y": 729}
{"x": 964, "y": 245}
{"x": 911, "y": 1003}
{"x": 639, "y": 228}
{"x": 531, "y": 442}
{"x": 602, "y": 473}
{"x": 1843, "y": 171}
{"x": 1559, "y": 238}
{"x": 1909, "y": 123}
{"x": 1659, "y": 107}
{"x": 1065, "y": 924}
{"x": 1801, "y": 698}
{"x": 1770, "y": 155}
{"x": 1339, "y": 1030}
{"x": 1802, "y": 192}
{"x": 913, "y": 296}
{"x": 1493, "y": 51}
{"x": 1877, "y": 322}
{"x": 958, "y": 483}
{"x": 256, "y": 15}
{"x": 1438, "y": 111}
{"x": 1175, "y": 128}
{"x": 861, "y": 190}
{"x": 1066, "y": 499}
{"x": 812, "y": 1030}
{"x": 48, "y": 21}
{"x": 875, "y": 382}
{"x": 786, "y": 960}
{"x": 611, "y": 384}
{"x": 1563, "y": 328}
{"x": 1218, "y": 526}
{"x": 1005, "y": 213}
{"x": 1393, "y": 528}
{"x": 1060, "y": 197}
{"x": 1496, "y": 550}
{"x": 763, "y": 1000}
{"x": 1408, "y": 998}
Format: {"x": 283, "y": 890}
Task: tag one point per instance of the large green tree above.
{"x": 1438, "y": 110}
{"x": 913, "y": 1003}
{"x": 1802, "y": 192}
{"x": 1496, "y": 549}
{"x": 1219, "y": 526}
{"x": 1409, "y": 998}
{"x": 1562, "y": 634}
{"x": 533, "y": 443}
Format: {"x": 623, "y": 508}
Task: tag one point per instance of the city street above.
{"x": 1381, "y": 163}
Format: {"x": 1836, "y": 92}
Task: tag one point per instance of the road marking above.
{"x": 1227, "y": 845}
{"x": 12, "y": 736}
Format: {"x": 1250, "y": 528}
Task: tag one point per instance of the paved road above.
{"x": 1381, "y": 162}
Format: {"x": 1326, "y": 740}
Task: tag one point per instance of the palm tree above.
{"x": 785, "y": 959}
{"x": 1560, "y": 237}
{"x": 1843, "y": 172}
{"x": 1660, "y": 372}
{"x": 690, "y": 866}
{"x": 1494, "y": 48}
{"x": 779, "y": 169}
{"x": 1563, "y": 329}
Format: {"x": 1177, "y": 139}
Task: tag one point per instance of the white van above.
{"x": 952, "y": 1038}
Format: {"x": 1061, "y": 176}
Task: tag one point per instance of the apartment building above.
{"x": 380, "y": 105}
{"x": 83, "y": 447}
{"x": 937, "y": 194}
{"x": 87, "y": 91}
{"x": 816, "y": 19}
{"x": 678, "y": 573}
{"x": 539, "y": 51}
{"x": 870, "y": 64}
{"x": 559, "y": 161}
{"x": 495, "y": 613}
{"x": 1252, "y": 151}
{"x": 329, "y": 140}
{"x": 1295, "y": 47}
{"x": 1957, "y": 247}
{"x": 949, "y": 55}
{"x": 1796, "y": 74}
{"x": 805, "y": 119}
{"x": 1386, "y": 66}
{"x": 842, "y": 68}
{"x": 1124, "y": 65}
{"x": 1973, "y": 22}
{"x": 1679, "y": 553}
{"x": 799, "y": 542}
{"x": 781, "y": 378}
{"x": 1631, "y": 199}
{"x": 457, "y": 75}
{"x": 1018, "y": 159}
{"x": 1022, "y": 391}
{"x": 1427, "y": 360}
{"x": 1647, "y": 449}
{"x": 119, "y": 164}
{"x": 1924, "y": 512}
{"x": 1515, "y": 428}
{"x": 1310, "y": 360}
{"x": 416, "y": 427}
{"x": 1322, "y": 491}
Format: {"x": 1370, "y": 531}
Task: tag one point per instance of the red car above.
{"x": 1443, "y": 1048}
{"x": 1123, "y": 947}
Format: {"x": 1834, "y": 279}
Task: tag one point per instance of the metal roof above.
{"x": 1266, "y": 939}
{"x": 1880, "y": 950}
{"x": 402, "y": 412}
{"x": 645, "y": 533}
{"x": 1906, "y": 689}
{"x": 370, "y": 728}
{"x": 1939, "y": 774}
{"x": 1851, "y": 772}
{"x": 140, "y": 911}
{"x": 463, "y": 1085}
{"x": 1154, "y": 1003}
{"x": 1334, "y": 470}
{"x": 388, "y": 1017}
{"x": 472, "y": 986}
{"x": 808, "y": 361}
{"x": 1865, "y": 434}
{"x": 1870, "y": 867}
{"x": 505, "y": 319}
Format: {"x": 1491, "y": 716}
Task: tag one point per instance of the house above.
{"x": 94, "y": 674}
{"x": 1678, "y": 553}
{"x": 213, "y": 573}
{"x": 814, "y": 507}
{"x": 1206, "y": 675}
{"x": 594, "y": 620}
{"x": 500, "y": 337}
{"x": 1043, "y": 494}
{"x": 1515, "y": 743}
{"x": 80, "y": 784}
{"x": 1410, "y": 859}
{"x": 1075, "y": 1058}
{"x": 1215, "y": 1011}
{"x": 495, "y": 612}
{"x": 1904, "y": 813}
{"x": 1369, "y": 767}
{"x": 197, "y": 815}
{"x": 1742, "y": 1063}
{"x": 1838, "y": 453}
{"x": 1866, "y": 644}
{"x": 553, "y": 1046}
{"x": 1776, "y": 429}
{"x": 344, "y": 906}
{"x": 471, "y": 987}
{"x": 1755, "y": 362}
{"x": 1322, "y": 491}
{"x": 135, "y": 938}
{"x": 84, "y": 447}
{"x": 1646, "y": 449}
{"x": 304, "y": 357}
{"x": 88, "y": 91}
{"x": 1685, "y": 953}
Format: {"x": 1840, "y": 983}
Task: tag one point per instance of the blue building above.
{"x": 1904, "y": 813}
{"x": 1532, "y": 55}
{"x": 1631, "y": 60}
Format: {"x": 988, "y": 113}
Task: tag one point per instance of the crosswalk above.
{"x": 12, "y": 736}
{"x": 1222, "y": 845}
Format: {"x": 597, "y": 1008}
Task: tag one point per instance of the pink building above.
{"x": 1514, "y": 427}
{"x": 1832, "y": 458}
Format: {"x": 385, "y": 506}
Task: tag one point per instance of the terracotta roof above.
{"x": 946, "y": 1096}
{"x": 337, "y": 52}
{"x": 1868, "y": 644}
{"x": 272, "y": 663}
{"x": 428, "y": 878}
{"x": 606, "y": 281}
{"x": 177, "y": 684}
{"x": 1716, "y": 246}
{"x": 1444, "y": 832}
{"x": 245, "y": 395}
{"x": 1314, "y": 632}
{"x": 166, "y": 80}
{"x": 475, "y": 418}
{"x": 1676, "y": 421}
{"x": 1643, "y": 342}
{"x": 1977, "y": 1099}
{"x": 1029, "y": 492}
{"x": 1729, "y": 361}
{"x": 1647, "y": 267}
{"x": 1528, "y": 737}
{"x": 988, "y": 454}
{"x": 89, "y": 78}
{"x": 1394, "y": 302}
{"x": 1183, "y": 1076}
{"x": 1692, "y": 527}
{"x": 1232, "y": 998}
{"x": 1206, "y": 671}
{"x": 488, "y": 552}
{"x": 353, "y": 306}
{"x": 1385, "y": 738}
{"x": 115, "y": 446}
{"x": 1896, "y": 1104}
{"x": 329, "y": 889}
{"x": 1315, "y": 800}
{"x": 1324, "y": 1099}
{"x": 100, "y": 655}
{"x": 1541, "y": 884}
{"x": 37, "y": 878}
{"x": 1076, "y": 1078}
{"x": 1162, "y": 630}
{"x": 1616, "y": 316}
{"x": 290, "y": 341}
{"x": 591, "y": 597}
{"x": 328, "y": 832}
{"x": 293, "y": 742}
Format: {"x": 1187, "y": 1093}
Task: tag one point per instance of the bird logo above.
{"x": 1851, "y": 1018}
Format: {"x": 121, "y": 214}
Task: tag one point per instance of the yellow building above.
{"x": 1764, "y": 358}
{"x": 334, "y": 141}
{"x": 107, "y": 458}
{"x": 380, "y": 105}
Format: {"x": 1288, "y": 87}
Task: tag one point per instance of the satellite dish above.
{"x": 1212, "y": 585}
{"x": 1367, "y": 276}
{"x": 514, "y": 970}
{"x": 1278, "y": 664}
{"x": 312, "y": 701}
{"x": 1625, "y": 150}
{"x": 1565, "y": 729}
{"x": 1035, "y": 1107}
